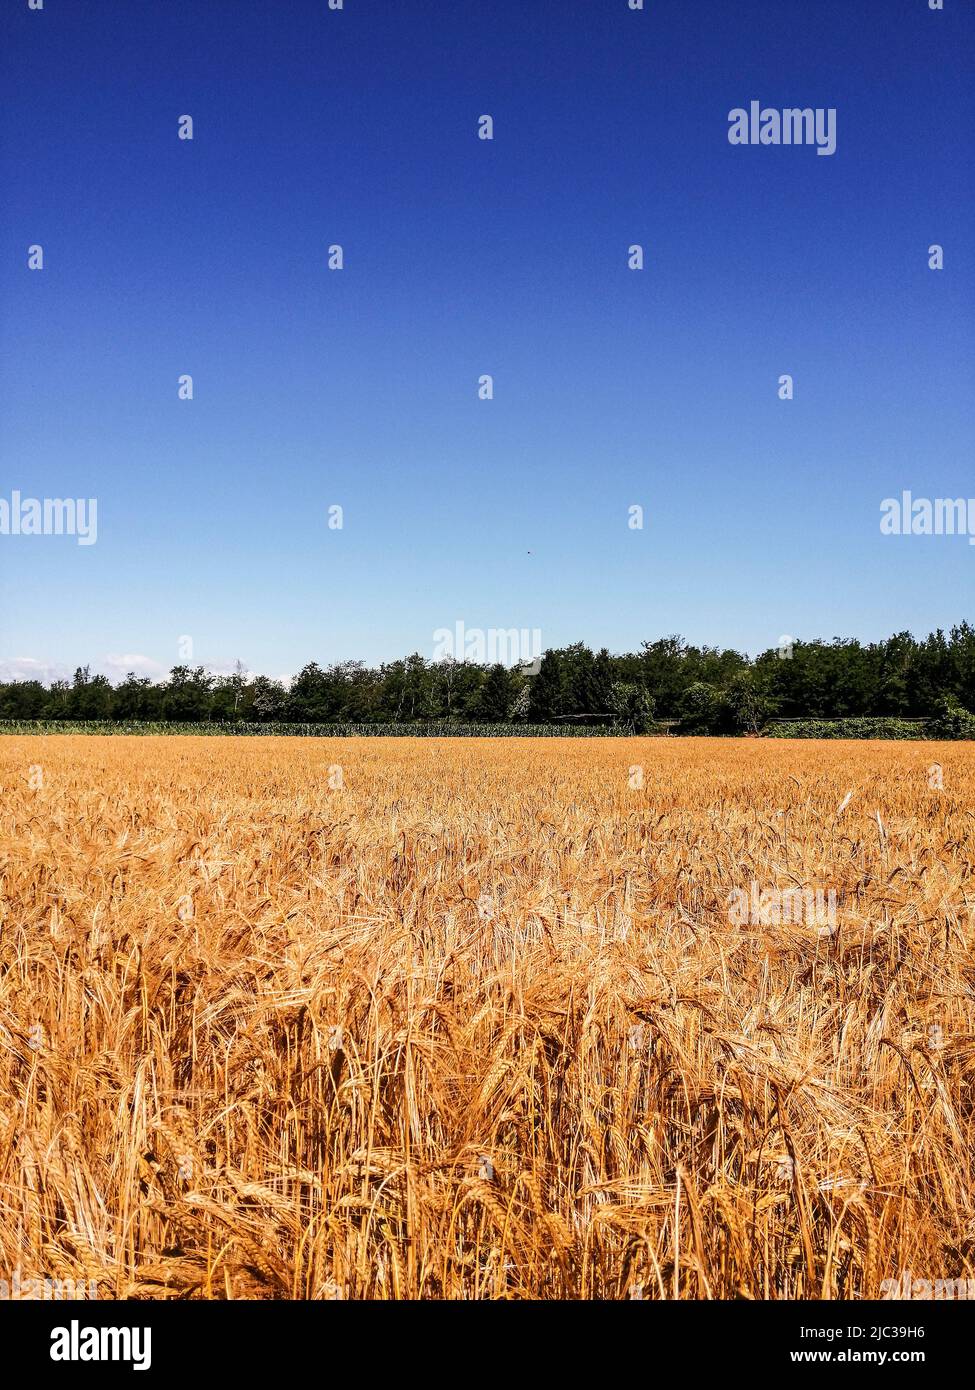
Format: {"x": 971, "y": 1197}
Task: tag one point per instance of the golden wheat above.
{"x": 472, "y": 1018}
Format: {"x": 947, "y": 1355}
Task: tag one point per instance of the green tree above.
{"x": 136, "y": 698}
{"x": 91, "y": 696}
{"x": 186, "y": 695}
{"x": 699, "y": 709}
{"x": 269, "y": 700}
{"x": 495, "y": 696}
{"x": 23, "y": 700}
{"x": 310, "y": 699}
{"x": 549, "y": 693}
{"x": 631, "y": 706}
{"x": 747, "y": 709}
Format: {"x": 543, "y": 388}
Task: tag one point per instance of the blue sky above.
{"x": 462, "y": 257}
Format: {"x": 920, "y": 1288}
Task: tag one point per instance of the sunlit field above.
{"x": 486, "y": 1019}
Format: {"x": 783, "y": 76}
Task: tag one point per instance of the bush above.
{"x": 849, "y": 728}
{"x": 951, "y": 720}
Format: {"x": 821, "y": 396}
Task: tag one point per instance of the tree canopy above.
{"x": 694, "y": 689}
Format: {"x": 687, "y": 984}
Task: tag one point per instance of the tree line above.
{"x": 693, "y": 689}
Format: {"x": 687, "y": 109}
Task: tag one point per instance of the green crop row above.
{"x": 239, "y": 729}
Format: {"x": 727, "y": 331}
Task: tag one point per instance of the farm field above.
{"x": 481, "y": 1019}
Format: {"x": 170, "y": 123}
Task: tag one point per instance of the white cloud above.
{"x": 29, "y": 668}
{"x": 133, "y": 661}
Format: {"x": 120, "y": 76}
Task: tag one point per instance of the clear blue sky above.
{"x": 465, "y": 257}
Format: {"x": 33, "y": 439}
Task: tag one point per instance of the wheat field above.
{"x": 472, "y": 1019}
